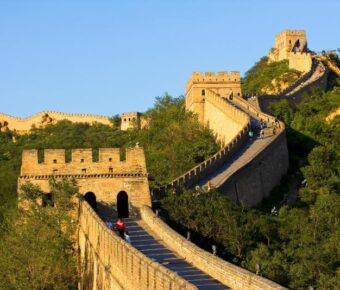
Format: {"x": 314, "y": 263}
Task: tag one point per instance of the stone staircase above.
{"x": 147, "y": 242}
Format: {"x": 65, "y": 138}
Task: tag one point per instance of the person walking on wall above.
{"x": 127, "y": 237}
{"x": 251, "y": 134}
{"x": 209, "y": 185}
{"x": 120, "y": 227}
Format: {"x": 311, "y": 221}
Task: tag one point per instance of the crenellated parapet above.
{"x": 42, "y": 119}
{"x": 211, "y": 80}
{"x": 54, "y": 162}
{"x": 198, "y": 85}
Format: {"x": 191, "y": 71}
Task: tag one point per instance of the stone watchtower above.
{"x": 109, "y": 180}
{"x": 131, "y": 120}
{"x": 292, "y": 46}
{"x": 288, "y": 41}
{"x": 224, "y": 84}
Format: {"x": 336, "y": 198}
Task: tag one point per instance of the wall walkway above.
{"x": 227, "y": 273}
{"x": 108, "y": 263}
{"x": 316, "y": 77}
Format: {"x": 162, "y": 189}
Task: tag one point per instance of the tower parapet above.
{"x": 82, "y": 162}
{"x": 223, "y": 83}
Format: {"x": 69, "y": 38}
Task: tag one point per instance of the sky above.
{"x": 107, "y": 57}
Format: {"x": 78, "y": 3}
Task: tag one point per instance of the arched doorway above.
{"x": 123, "y": 204}
{"x": 91, "y": 199}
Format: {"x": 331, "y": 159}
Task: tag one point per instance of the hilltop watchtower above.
{"x": 224, "y": 84}
{"x": 131, "y": 120}
{"x": 292, "y": 46}
{"x": 109, "y": 180}
{"x": 288, "y": 41}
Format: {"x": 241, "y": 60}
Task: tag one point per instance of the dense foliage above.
{"x": 299, "y": 245}
{"x": 36, "y": 248}
{"x": 268, "y": 77}
{"x": 34, "y": 252}
{"x": 173, "y": 143}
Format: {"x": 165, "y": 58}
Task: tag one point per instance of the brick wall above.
{"x": 235, "y": 277}
{"x": 107, "y": 262}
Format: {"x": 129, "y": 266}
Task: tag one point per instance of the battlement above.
{"x": 24, "y": 125}
{"x": 54, "y": 162}
{"x": 213, "y": 78}
{"x": 288, "y": 32}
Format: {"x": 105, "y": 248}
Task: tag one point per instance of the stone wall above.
{"x": 315, "y": 78}
{"x": 105, "y": 178}
{"x": 256, "y": 178}
{"x": 300, "y": 61}
{"x": 228, "y": 274}
{"x": 108, "y": 263}
{"x": 230, "y": 125}
{"x": 223, "y": 119}
{"x": 198, "y": 84}
{"x": 24, "y": 125}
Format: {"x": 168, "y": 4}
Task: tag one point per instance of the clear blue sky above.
{"x": 109, "y": 57}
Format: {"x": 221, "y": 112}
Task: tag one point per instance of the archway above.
{"x": 297, "y": 47}
{"x": 91, "y": 199}
{"x": 123, "y": 204}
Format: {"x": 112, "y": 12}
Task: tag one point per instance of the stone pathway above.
{"x": 147, "y": 242}
{"x": 237, "y": 161}
{"x": 244, "y": 155}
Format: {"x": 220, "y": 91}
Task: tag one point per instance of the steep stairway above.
{"x": 147, "y": 242}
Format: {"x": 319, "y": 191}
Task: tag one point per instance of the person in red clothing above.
{"x": 120, "y": 227}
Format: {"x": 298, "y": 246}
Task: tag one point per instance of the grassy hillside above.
{"x": 268, "y": 78}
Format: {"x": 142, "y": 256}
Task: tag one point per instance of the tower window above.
{"x": 83, "y": 170}
{"x": 203, "y": 92}
{"x": 110, "y": 169}
{"x": 55, "y": 161}
{"x": 110, "y": 159}
{"x": 82, "y": 160}
{"x": 55, "y": 171}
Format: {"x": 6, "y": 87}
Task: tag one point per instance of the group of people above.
{"x": 120, "y": 229}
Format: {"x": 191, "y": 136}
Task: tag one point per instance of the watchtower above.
{"x": 110, "y": 180}
{"x": 131, "y": 120}
{"x": 288, "y": 41}
{"x": 222, "y": 83}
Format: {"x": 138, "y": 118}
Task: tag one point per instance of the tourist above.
{"x": 209, "y": 185}
{"x": 261, "y": 134}
{"x": 120, "y": 227}
{"x": 127, "y": 237}
{"x": 109, "y": 225}
{"x": 251, "y": 134}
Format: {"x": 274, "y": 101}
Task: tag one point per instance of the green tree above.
{"x": 37, "y": 250}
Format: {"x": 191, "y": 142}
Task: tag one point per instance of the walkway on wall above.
{"x": 152, "y": 246}
{"x": 318, "y": 72}
{"x": 244, "y": 155}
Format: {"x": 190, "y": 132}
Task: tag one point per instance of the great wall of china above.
{"x": 246, "y": 170}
